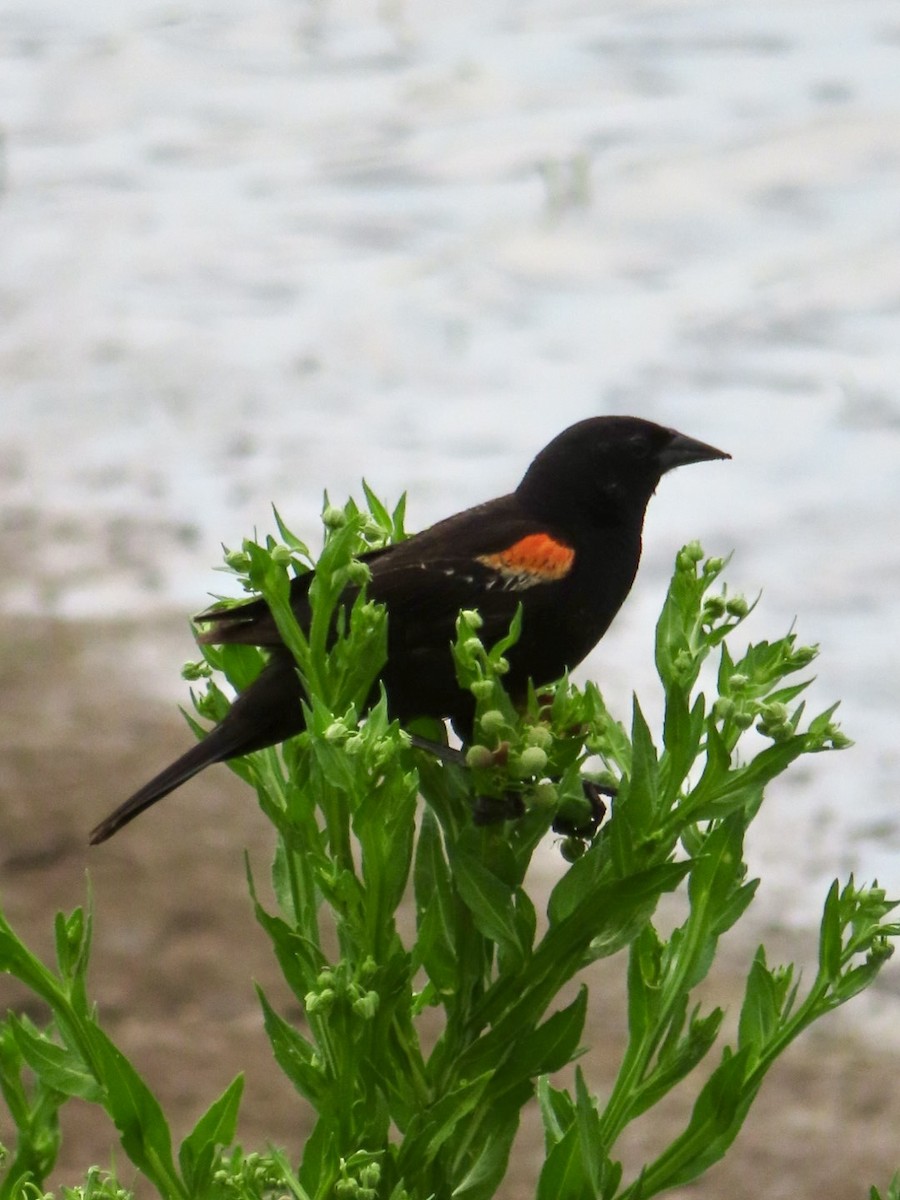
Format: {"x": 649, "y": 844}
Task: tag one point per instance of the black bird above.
{"x": 565, "y": 544}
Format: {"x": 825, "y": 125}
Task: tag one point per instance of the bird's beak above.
{"x": 683, "y": 450}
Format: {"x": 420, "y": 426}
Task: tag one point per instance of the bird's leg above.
{"x": 490, "y": 810}
{"x": 593, "y": 793}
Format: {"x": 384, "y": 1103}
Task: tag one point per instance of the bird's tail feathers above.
{"x": 218, "y": 745}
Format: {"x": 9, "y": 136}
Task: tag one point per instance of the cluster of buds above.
{"x": 336, "y": 985}
{"x": 358, "y": 1183}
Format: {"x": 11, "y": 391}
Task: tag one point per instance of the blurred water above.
{"x": 248, "y": 252}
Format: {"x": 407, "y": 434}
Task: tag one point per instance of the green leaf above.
{"x": 564, "y": 1172}
{"x": 136, "y": 1113}
{"x": 435, "y": 1124}
{"x": 830, "y": 940}
{"x": 215, "y": 1128}
{"x": 593, "y": 1152}
{"x": 486, "y": 1173}
{"x": 58, "y": 1067}
{"x": 293, "y": 1053}
{"x": 490, "y": 901}
{"x": 762, "y": 1005}
{"x": 557, "y": 1112}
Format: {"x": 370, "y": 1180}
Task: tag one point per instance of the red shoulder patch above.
{"x": 536, "y": 558}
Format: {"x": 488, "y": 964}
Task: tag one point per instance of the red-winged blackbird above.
{"x": 565, "y": 544}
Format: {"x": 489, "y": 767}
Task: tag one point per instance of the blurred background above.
{"x": 250, "y": 252}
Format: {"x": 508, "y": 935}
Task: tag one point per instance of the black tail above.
{"x": 266, "y": 713}
{"x": 212, "y": 749}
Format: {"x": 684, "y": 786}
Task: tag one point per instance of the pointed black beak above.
{"x": 683, "y": 450}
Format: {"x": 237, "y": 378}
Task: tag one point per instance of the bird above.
{"x": 565, "y": 545}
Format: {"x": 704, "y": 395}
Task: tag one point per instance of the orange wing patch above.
{"x": 537, "y": 558}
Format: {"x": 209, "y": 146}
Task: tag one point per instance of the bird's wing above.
{"x": 486, "y": 558}
{"x": 250, "y": 623}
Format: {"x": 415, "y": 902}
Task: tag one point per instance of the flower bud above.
{"x": 358, "y": 573}
{"x": 370, "y": 1175}
{"x": 532, "y": 761}
{"x": 482, "y": 689}
{"x": 366, "y": 1006}
{"x": 237, "y": 560}
{"x": 802, "y": 656}
{"x": 319, "y": 1001}
{"x": 713, "y": 608}
{"x": 688, "y": 557}
{"x": 539, "y": 735}
{"x": 545, "y": 796}
{"x": 479, "y": 758}
{"x": 333, "y": 517}
{"x": 572, "y": 848}
{"x": 193, "y": 671}
{"x": 493, "y": 721}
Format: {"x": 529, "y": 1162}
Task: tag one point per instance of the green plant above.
{"x": 397, "y": 1118}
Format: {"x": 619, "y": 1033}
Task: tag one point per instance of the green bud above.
{"x": 713, "y": 565}
{"x": 471, "y": 618}
{"x": 370, "y": 1175}
{"x": 539, "y": 735}
{"x": 319, "y": 1001}
{"x": 493, "y": 721}
{"x": 688, "y": 556}
{"x": 346, "y": 1188}
{"x": 724, "y": 709}
{"x": 501, "y": 665}
{"x": 482, "y": 689}
{"x": 544, "y": 796}
{"x": 743, "y": 718}
{"x": 192, "y": 671}
{"x": 572, "y": 848}
{"x": 366, "y": 1006}
{"x": 802, "y": 656}
{"x": 479, "y": 758}
{"x": 683, "y": 664}
{"x": 737, "y": 682}
{"x": 237, "y": 560}
{"x": 354, "y": 744}
{"x": 713, "y": 609}
{"x": 281, "y": 555}
{"x": 737, "y": 606}
{"x": 778, "y": 731}
{"x": 358, "y": 573}
{"x": 333, "y": 517}
{"x": 472, "y": 647}
{"x": 532, "y": 761}
{"x": 337, "y": 731}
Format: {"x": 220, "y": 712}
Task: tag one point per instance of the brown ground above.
{"x": 177, "y": 950}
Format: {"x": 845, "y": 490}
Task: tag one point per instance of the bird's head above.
{"x": 606, "y": 469}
